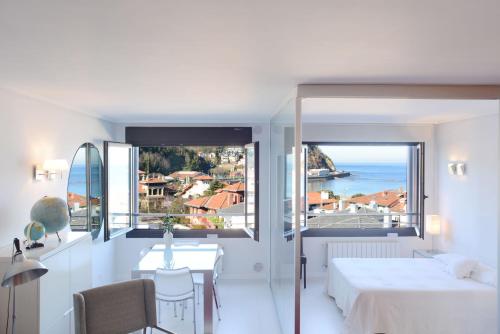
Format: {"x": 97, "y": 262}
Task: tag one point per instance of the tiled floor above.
{"x": 319, "y": 313}
{"x": 247, "y": 307}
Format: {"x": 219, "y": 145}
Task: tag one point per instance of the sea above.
{"x": 77, "y": 182}
{"x": 365, "y": 178}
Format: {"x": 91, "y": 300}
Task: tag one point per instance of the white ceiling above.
{"x": 399, "y": 111}
{"x": 235, "y": 60}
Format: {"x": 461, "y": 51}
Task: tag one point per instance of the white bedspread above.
{"x": 406, "y": 295}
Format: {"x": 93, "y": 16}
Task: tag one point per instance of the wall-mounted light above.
{"x": 460, "y": 168}
{"x": 456, "y": 168}
{"x": 452, "y": 168}
{"x": 51, "y": 169}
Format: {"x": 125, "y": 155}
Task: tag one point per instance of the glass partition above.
{"x": 283, "y": 238}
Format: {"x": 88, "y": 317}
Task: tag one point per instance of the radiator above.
{"x": 363, "y": 247}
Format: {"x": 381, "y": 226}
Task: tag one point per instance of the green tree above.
{"x": 166, "y": 160}
{"x": 177, "y": 207}
{"x": 214, "y": 186}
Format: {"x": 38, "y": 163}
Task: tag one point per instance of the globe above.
{"x": 52, "y": 212}
{"x": 34, "y": 231}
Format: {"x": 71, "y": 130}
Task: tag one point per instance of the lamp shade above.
{"x": 55, "y": 165}
{"x": 433, "y": 224}
{"x": 22, "y": 270}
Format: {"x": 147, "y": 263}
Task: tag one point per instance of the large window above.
{"x": 201, "y": 179}
{"x": 199, "y": 187}
{"x": 365, "y": 186}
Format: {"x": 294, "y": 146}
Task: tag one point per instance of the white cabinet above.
{"x": 46, "y": 305}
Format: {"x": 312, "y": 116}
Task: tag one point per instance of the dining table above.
{"x": 199, "y": 258}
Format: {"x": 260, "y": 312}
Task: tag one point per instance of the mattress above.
{"x": 406, "y": 295}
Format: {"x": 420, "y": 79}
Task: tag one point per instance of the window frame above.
{"x": 254, "y": 234}
{"x": 183, "y": 136}
{"x": 108, "y": 235}
{"x": 414, "y": 231}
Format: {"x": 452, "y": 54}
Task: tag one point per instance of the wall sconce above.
{"x": 51, "y": 169}
{"x": 456, "y": 168}
{"x": 452, "y": 168}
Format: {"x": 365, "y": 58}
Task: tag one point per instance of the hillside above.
{"x": 317, "y": 159}
{"x": 166, "y": 160}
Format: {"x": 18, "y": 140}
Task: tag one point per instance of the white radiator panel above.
{"x": 363, "y": 247}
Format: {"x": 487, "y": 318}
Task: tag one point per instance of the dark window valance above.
{"x": 187, "y": 136}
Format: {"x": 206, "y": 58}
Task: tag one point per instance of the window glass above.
{"x": 199, "y": 187}
{"x": 77, "y": 191}
{"x": 361, "y": 186}
{"x": 118, "y": 188}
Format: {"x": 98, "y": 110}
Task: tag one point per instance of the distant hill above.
{"x": 166, "y": 160}
{"x": 317, "y": 159}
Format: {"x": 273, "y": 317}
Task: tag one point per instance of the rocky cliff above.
{"x": 317, "y": 159}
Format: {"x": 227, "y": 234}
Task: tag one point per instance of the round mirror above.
{"x": 85, "y": 190}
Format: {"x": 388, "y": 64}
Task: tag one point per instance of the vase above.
{"x": 168, "y": 238}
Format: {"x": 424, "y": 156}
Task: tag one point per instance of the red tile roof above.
{"x": 218, "y": 201}
{"x": 236, "y": 187}
{"x": 184, "y": 173}
{"x": 153, "y": 181}
{"x": 197, "y": 202}
{"x": 314, "y": 198}
{"x": 75, "y": 198}
{"x": 203, "y": 178}
{"x": 387, "y": 198}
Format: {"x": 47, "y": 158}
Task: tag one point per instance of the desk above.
{"x": 198, "y": 258}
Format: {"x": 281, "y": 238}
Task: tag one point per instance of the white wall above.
{"x": 314, "y": 247}
{"x": 469, "y": 204}
{"x": 240, "y": 254}
{"x": 30, "y": 132}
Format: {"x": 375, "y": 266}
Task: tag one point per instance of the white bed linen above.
{"x": 406, "y": 295}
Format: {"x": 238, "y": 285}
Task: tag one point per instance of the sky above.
{"x": 366, "y": 154}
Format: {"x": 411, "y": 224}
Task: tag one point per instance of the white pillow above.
{"x": 484, "y": 274}
{"x": 457, "y": 265}
{"x": 446, "y": 258}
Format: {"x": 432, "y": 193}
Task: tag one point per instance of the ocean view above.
{"x": 77, "y": 182}
{"x": 365, "y": 178}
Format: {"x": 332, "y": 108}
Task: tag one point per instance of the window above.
{"x": 365, "y": 186}
{"x": 118, "y": 188}
{"x": 205, "y": 180}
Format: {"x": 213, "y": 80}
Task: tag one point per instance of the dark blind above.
{"x": 188, "y": 136}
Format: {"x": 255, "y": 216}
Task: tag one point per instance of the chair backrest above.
{"x": 116, "y": 308}
{"x": 218, "y": 264}
{"x": 173, "y": 282}
{"x": 144, "y": 251}
{"x": 189, "y": 242}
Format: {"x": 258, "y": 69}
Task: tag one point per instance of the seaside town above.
{"x": 219, "y": 191}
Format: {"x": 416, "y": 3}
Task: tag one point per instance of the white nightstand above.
{"x": 428, "y": 253}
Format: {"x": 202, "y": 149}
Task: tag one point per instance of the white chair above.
{"x": 175, "y": 286}
{"x": 144, "y": 251}
{"x": 198, "y": 280}
{"x": 186, "y": 242}
{"x": 142, "y": 254}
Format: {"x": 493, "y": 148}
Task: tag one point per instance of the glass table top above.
{"x": 197, "y": 257}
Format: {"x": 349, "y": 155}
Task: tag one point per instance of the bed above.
{"x": 406, "y": 295}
